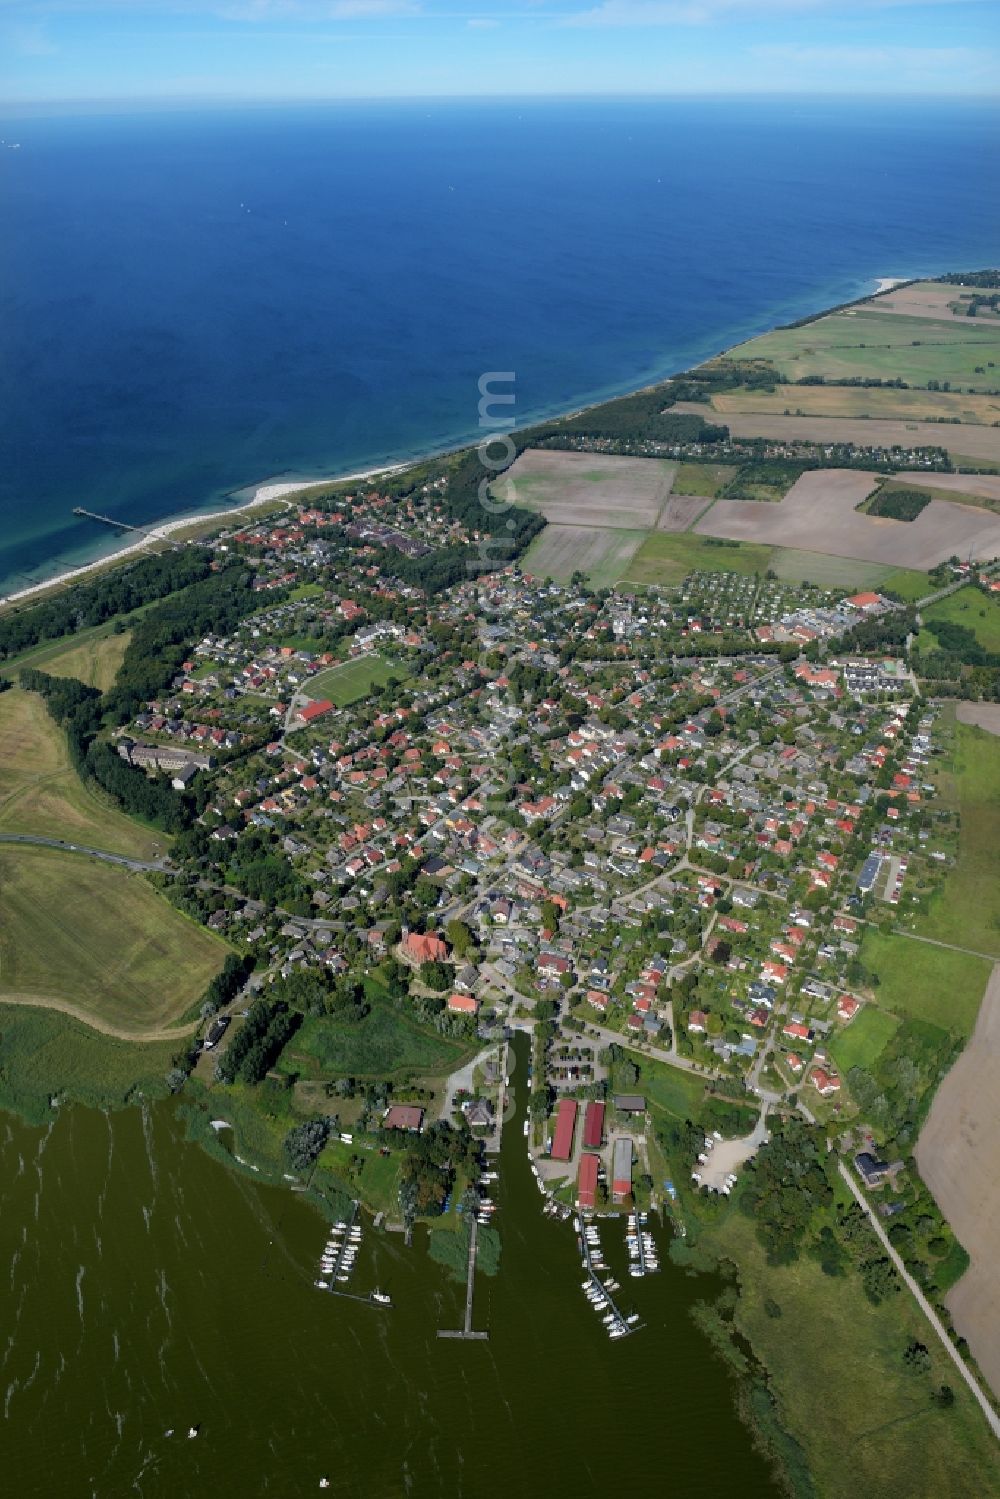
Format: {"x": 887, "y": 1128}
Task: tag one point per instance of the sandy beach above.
{"x": 264, "y": 494}
{"x": 268, "y": 492}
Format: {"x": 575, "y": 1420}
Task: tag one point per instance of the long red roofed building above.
{"x": 562, "y": 1144}
{"x": 586, "y": 1187}
{"x": 593, "y": 1126}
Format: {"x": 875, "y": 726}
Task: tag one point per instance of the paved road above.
{"x": 462, "y": 1079}
{"x": 158, "y": 866}
{"x": 923, "y": 1303}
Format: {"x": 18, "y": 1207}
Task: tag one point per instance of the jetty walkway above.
{"x": 467, "y": 1331}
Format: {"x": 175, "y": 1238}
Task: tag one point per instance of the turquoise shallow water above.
{"x": 191, "y": 302}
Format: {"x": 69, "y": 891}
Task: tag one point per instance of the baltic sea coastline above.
{"x": 270, "y": 491}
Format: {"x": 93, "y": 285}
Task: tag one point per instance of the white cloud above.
{"x": 482, "y": 23}
{"x": 649, "y": 13}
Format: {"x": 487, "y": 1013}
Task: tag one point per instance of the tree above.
{"x": 916, "y": 1357}
{"x": 550, "y": 916}
{"x": 434, "y": 975}
{"x": 304, "y": 1143}
{"x": 460, "y": 938}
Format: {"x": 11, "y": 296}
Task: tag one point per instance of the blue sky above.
{"x": 308, "y": 49}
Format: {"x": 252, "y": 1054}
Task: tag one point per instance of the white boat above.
{"x": 322, "y": 1285}
{"x": 381, "y": 1298}
{"x": 324, "y": 1483}
{"x": 193, "y": 1432}
{"x": 633, "y": 1319}
{"x": 585, "y": 1284}
{"x": 342, "y": 1278}
{"x": 617, "y": 1332}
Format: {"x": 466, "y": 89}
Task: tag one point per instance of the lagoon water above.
{"x": 151, "y": 1288}
{"x": 194, "y": 301}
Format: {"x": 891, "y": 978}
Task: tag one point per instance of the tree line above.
{"x": 118, "y": 591}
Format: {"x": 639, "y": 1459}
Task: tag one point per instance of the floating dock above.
{"x": 621, "y": 1323}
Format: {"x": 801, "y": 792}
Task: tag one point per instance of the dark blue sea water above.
{"x": 195, "y": 301}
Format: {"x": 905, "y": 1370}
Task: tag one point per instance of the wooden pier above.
{"x": 121, "y": 525}
{"x": 467, "y": 1331}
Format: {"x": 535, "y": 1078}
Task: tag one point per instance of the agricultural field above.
{"x": 864, "y": 342}
{"x": 820, "y": 514}
{"x": 386, "y": 1043}
{"x": 42, "y": 794}
{"x": 972, "y": 609}
{"x": 681, "y": 511}
{"x": 703, "y": 478}
{"x": 959, "y": 1158}
{"x": 966, "y": 910}
{"x": 860, "y": 402}
{"x": 602, "y": 554}
{"x": 861, "y": 1042}
{"x": 355, "y": 679}
{"x": 926, "y": 982}
{"x": 47, "y": 1055}
{"x": 581, "y": 489}
{"x": 95, "y": 662}
{"x": 964, "y": 489}
{"x": 827, "y": 571}
{"x": 926, "y": 299}
{"x": 667, "y": 559}
{"x": 842, "y": 1389}
{"x": 967, "y": 444}
{"x": 982, "y": 715}
{"x": 99, "y": 944}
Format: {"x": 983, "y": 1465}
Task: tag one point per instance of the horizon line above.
{"x": 147, "y": 101}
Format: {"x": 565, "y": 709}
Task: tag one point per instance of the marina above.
{"x": 598, "y": 1292}
{"x": 642, "y": 1252}
{"x": 338, "y": 1259}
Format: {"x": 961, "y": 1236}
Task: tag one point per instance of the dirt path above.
{"x": 924, "y": 1304}
{"x": 959, "y": 1158}
{"x": 44, "y": 1002}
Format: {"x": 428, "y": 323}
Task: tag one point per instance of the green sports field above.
{"x": 354, "y": 680}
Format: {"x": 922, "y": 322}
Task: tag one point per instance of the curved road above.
{"x": 158, "y": 866}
